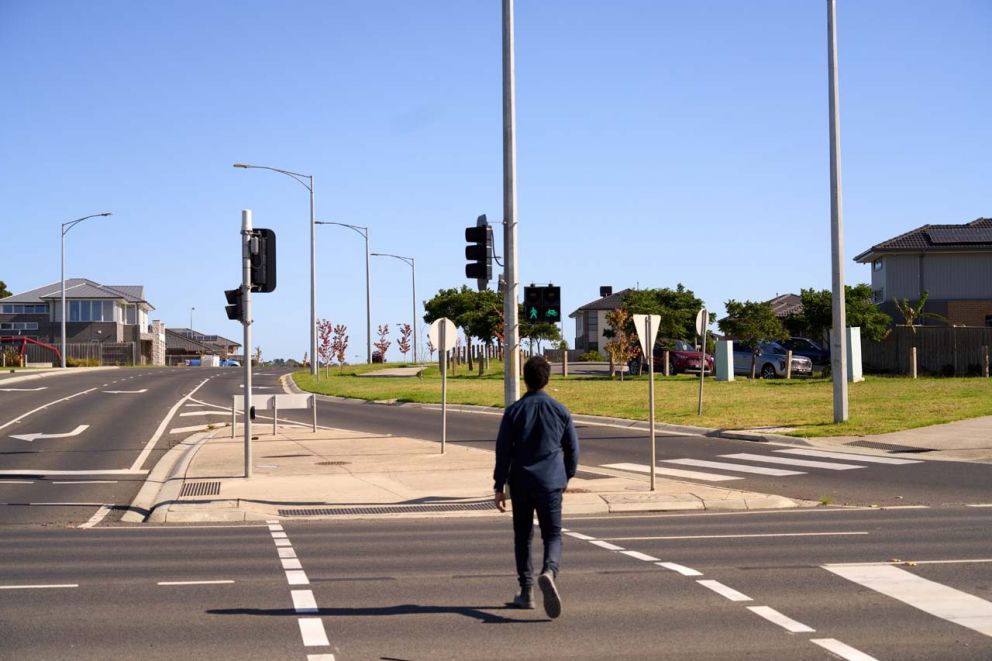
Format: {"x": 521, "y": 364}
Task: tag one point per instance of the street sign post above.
{"x": 443, "y": 334}
{"x": 646, "y": 326}
{"x": 702, "y": 319}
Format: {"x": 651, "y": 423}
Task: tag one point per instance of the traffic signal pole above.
{"x": 246, "y": 238}
{"x": 511, "y": 327}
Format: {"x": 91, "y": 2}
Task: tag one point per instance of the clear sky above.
{"x": 659, "y": 141}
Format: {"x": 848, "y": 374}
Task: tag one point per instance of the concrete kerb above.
{"x": 165, "y": 481}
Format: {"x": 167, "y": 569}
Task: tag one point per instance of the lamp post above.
{"x": 413, "y": 271}
{"x": 191, "y": 320}
{"x": 364, "y": 231}
{"x": 306, "y": 180}
{"x": 65, "y": 228}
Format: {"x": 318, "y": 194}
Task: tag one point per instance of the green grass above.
{"x": 877, "y": 405}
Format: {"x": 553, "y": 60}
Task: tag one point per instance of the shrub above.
{"x": 11, "y": 358}
{"x": 591, "y": 356}
{"x": 81, "y": 362}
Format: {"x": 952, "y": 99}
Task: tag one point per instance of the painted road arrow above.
{"x": 33, "y": 437}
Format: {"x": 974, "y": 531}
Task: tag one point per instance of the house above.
{"x": 786, "y": 304}
{"x": 95, "y": 314}
{"x": 183, "y": 344}
{"x": 590, "y": 319}
{"x": 953, "y": 263}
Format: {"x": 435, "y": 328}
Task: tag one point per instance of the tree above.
{"x": 324, "y": 348}
{"x": 912, "y": 313}
{"x": 620, "y": 348}
{"x": 752, "y": 322}
{"x": 404, "y": 342}
{"x": 339, "y": 345}
{"x": 537, "y": 333}
{"x": 382, "y": 344}
{"x": 816, "y": 317}
{"x": 477, "y": 313}
{"x": 4, "y": 292}
{"x": 676, "y": 307}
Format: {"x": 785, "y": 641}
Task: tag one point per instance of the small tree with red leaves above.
{"x": 339, "y": 345}
{"x": 382, "y": 344}
{"x": 404, "y": 341}
{"x": 326, "y": 347}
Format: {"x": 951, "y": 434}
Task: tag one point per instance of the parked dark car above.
{"x": 682, "y": 359}
{"x": 800, "y": 346}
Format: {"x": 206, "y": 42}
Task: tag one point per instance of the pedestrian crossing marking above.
{"x": 868, "y": 458}
{"x": 928, "y": 596}
{"x": 740, "y": 468}
{"x": 673, "y": 472}
{"x": 808, "y": 463}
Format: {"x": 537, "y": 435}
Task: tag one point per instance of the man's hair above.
{"x": 536, "y": 372}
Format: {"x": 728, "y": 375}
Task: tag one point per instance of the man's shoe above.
{"x": 525, "y": 599}
{"x": 552, "y": 601}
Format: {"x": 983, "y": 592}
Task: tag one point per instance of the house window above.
{"x": 877, "y": 296}
{"x": 877, "y": 265}
{"x": 12, "y": 308}
{"x": 988, "y": 320}
{"x": 19, "y": 325}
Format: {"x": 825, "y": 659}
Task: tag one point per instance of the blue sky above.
{"x": 658, "y": 142}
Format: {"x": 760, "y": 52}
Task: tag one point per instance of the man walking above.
{"x": 537, "y": 452}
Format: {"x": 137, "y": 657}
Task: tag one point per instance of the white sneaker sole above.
{"x": 552, "y": 601}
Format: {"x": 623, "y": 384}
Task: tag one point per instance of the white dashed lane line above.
{"x": 681, "y": 569}
{"x": 775, "y": 617}
{"x": 220, "y": 582}
{"x": 724, "y": 591}
{"x": 845, "y": 652}
{"x": 38, "y": 587}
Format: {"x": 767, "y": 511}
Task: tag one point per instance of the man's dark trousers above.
{"x": 547, "y": 504}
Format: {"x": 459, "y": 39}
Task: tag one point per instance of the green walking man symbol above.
{"x": 533, "y": 314}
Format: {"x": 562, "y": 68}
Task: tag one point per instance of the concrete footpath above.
{"x": 336, "y": 473}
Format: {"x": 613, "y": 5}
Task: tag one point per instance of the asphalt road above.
{"x": 759, "y": 585}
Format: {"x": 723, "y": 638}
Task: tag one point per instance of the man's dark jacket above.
{"x": 537, "y": 447}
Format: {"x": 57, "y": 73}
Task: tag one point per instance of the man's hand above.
{"x": 500, "y": 499}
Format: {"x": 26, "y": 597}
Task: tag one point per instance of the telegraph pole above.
{"x": 838, "y": 339}
{"x": 511, "y": 328}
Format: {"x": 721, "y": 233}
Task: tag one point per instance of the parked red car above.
{"x": 682, "y": 359}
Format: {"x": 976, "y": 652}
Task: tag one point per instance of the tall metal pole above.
{"x": 246, "y": 307}
{"x": 838, "y": 340}
{"x": 413, "y": 273}
{"x": 511, "y": 329}
{"x": 63, "y": 296}
{"x": 313, "y": 288}
{"x": 191, "y": 320}
{"x": 649, "y": 333}
{"x": 368, "y": 302}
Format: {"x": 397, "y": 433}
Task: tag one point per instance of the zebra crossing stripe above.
{"x": 673, "y": 472}
{"x": 930, "y": 597}
{"x": 864, "y": 458}
{"x": 845, "y": 652}
{"x": 807, "y": 463}
{"x": 740, "y": 468}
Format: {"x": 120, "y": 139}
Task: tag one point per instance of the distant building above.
{"x": 185, "y": 344}
{"x": 590, "y": 320}
{"x": 95, "y": 314}
{"x": 953, "y": 263}
{"x": 786, "y": 304}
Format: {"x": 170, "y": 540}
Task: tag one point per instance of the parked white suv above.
{"x": 770, "y": 361}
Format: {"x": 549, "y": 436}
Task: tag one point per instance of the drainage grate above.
{"x": 200, "y": 489}
{"x": 333, "y": 463}
{"x": 390, "y": 509}
{"x": 888, "y": 447}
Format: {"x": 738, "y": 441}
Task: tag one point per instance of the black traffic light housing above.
{"x": 542, "y": 305}
{"x": 235, "y": 307}
{"x": 263, "y": 260}
{"x": 552, "y": 304}
{"x": 479, "y": 252}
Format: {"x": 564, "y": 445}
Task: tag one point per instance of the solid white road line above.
{"x": 320, "y": 657}
{"x": 86, "y": 482}
{"x": 737, "y": 468}
{"x": 45, "y": 406}
{"x": 312, "y": 630}
{"x": 18, "y": 482}
{"x": 297, "y": 577}
{"x": 637, "y": 555}
{"x": 869, "y": 458}
{"x": 186, "y": 430}
{"x": 978, "y": 505}
{"x": 38, "y": 587}
{"x": 775, "y": 617}
{"x": 682, "y": 569}
{"x": 190, "y": 413}
{"x": 743, "y": 535}
{"x": 724, "y": 591}
{"x": 673, "y": 472}
{"x": 43, "y": 472}
{"x": 303, "y": 601}
{"x": 98, "y": 517}
{"x": 808, "y": 463}
{"x": 150, "y": 445}
{"x": 845, "y": 652}
{"x": 606, "y": 545}
{"x": 930, "y": 597}
{"x": 223, "y": 582}
{"x": 23, "y": 389}
{"x": 291, "y": 563}
{"x": 125, "y": 392}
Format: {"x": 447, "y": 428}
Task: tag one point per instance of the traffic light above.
{"x": 479, "y": 252}
{"x": 263, "y": 260}
{"x": 235, "y": 308}
{"x": 552, "y": 304}
{"x": 533, "y": 305}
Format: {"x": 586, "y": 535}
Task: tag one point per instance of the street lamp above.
{"x": 364, "y": 231}
{"x": 413, "y": 271}
{"x": 65, "y": 228}
{"x": 303, "y": 179}
{"x": 191, "y": 321}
